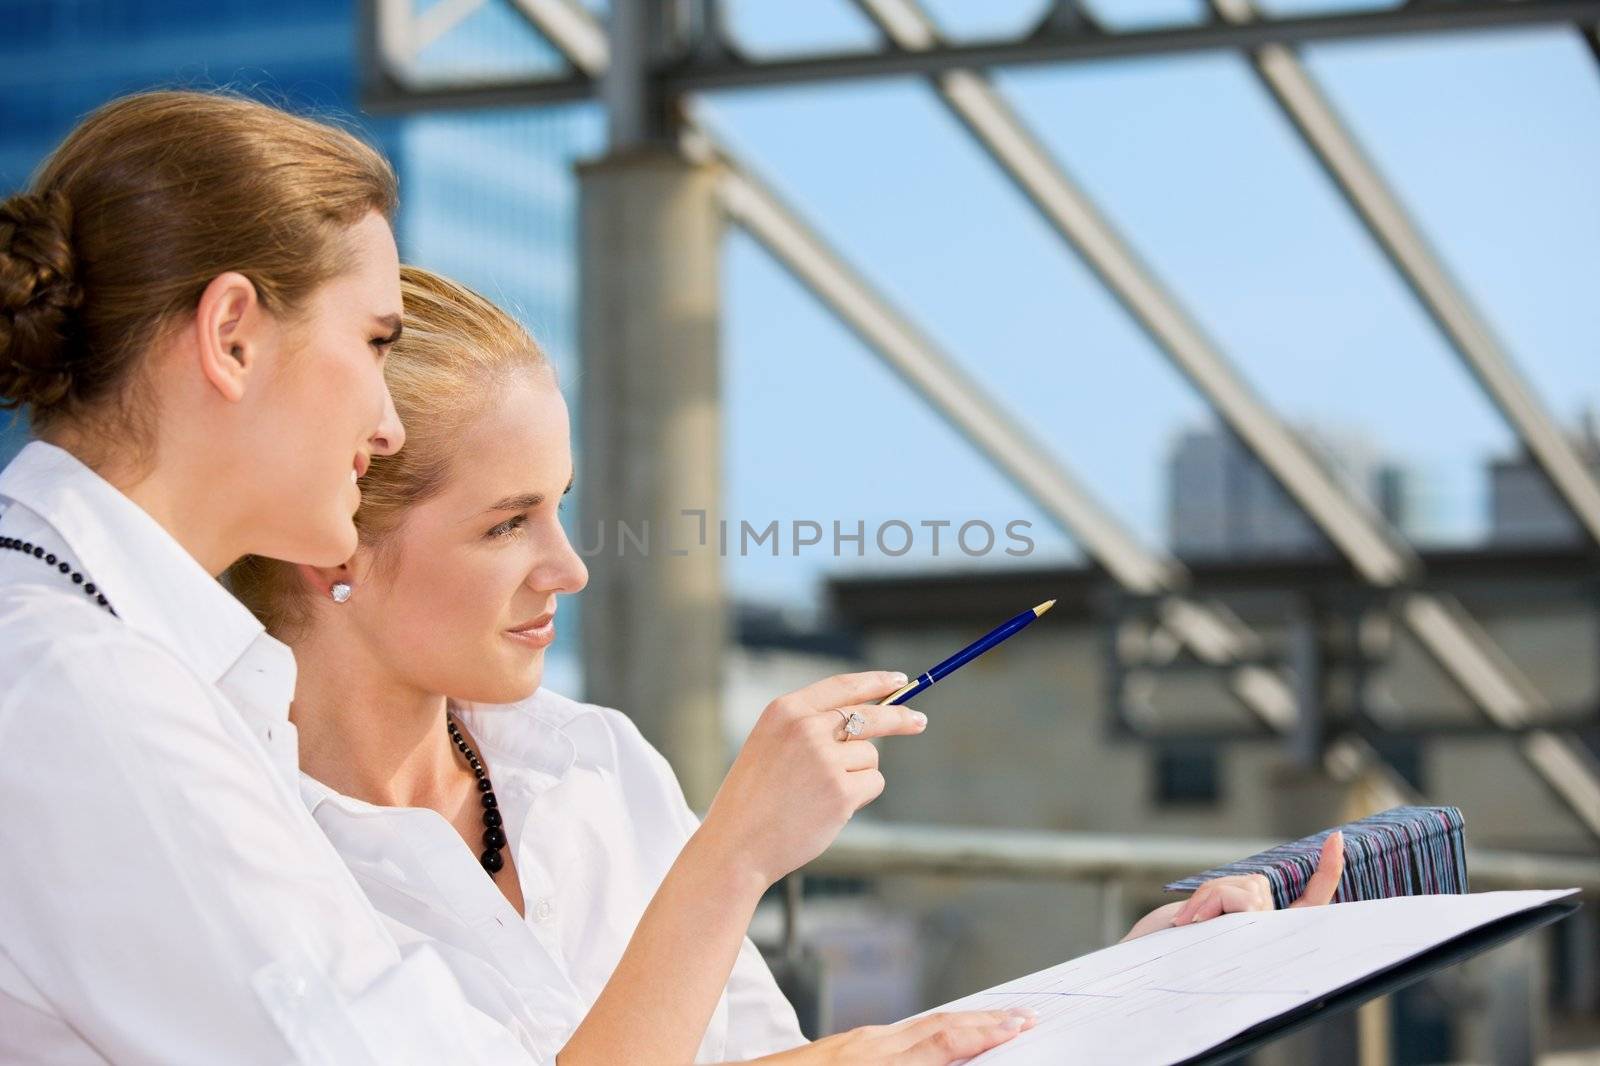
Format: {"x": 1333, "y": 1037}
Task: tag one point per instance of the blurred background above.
{"x": 1262, "y": 336}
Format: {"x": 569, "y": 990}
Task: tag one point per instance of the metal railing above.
{"x": 1115, "y": 862}
{"x": 878, "y": 848}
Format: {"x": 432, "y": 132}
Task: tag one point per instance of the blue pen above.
{"x": 961, "y": 658}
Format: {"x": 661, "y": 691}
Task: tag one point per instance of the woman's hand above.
{"x": 932, "y": 1040}
{"x": 1247, "y": 892}
{"x": 796, "y": 783}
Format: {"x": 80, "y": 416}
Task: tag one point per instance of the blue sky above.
{"x": 1493, "y": 140}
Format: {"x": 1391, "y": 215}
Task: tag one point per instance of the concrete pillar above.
{"x": 650, "y": 430}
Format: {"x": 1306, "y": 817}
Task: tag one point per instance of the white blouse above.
{"x": 165, "y": 896}
{"x": 596, "y": 817}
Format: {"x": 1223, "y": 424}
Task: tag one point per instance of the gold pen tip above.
{"x": 1043, "y": 607}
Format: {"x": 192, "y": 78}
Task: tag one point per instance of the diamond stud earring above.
{"x": 340, "y": 591}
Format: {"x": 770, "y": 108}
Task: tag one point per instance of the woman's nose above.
{"x": 391, "y": 434}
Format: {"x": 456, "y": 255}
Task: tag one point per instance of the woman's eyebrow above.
{"x": 524, "y": 501}
{"x": 521, "y": 502}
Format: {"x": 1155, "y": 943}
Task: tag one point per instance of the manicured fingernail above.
{"x": 1016, "y": 1021}
{"x": 919, "y": 718}
{"x": 898, "y": 679}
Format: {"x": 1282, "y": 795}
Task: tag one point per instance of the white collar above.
{"x": 157, "y": 587}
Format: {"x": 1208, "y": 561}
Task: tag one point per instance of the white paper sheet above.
{"x": 1174, "y": 994}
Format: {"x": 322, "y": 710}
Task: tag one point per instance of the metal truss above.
{"x": 1376, "y": 551}
{"x": 1380, "y": 210}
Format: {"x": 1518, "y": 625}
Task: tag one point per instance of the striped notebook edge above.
{"x": 1404, "y": 851}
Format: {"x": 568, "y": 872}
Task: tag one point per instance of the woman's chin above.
{"x": 330, "y": 545}
{"x": 509, "y": 686}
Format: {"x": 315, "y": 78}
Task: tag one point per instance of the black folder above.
{"x": 1450, "y": 953}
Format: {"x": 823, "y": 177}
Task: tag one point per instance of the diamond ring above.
{"x": 854, "y": 723}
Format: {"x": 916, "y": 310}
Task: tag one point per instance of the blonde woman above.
{"x": 540, "y": 843}
{"x": 197, "y": 293}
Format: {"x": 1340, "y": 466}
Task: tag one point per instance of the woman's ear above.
{"x": 230, "y": 326}
{"x": 328, "y": 582}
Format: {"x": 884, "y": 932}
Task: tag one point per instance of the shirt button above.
{"x": 543, "y": 911}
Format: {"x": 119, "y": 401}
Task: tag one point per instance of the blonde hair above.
{"x": 455, "y": 349}
{"x": 150, "y": 198}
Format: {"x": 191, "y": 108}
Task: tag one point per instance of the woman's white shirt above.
{"x": 166, "y": 897}
{"x": 594, "y": 818}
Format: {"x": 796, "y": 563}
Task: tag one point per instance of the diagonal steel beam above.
{"x": 1306, "y": 106}
{"x": 438, "y": 20}
{"x": 393, "y": 35}
{"x": 1377, "y": 552}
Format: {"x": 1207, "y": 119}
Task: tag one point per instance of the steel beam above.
{"x": 1062, "y": 44}
{"x": 391, "y": 37}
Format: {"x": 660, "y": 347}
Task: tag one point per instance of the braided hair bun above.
{"x": 39, "y": 301}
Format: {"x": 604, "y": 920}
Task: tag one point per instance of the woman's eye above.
{"x": 508, "y": 527}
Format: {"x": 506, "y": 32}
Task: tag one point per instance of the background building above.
{"x": 1223, "y": 502}
{"x": 1523, "y": 509}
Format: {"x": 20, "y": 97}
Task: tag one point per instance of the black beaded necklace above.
{"x": 494, "y": 835}
{"x": 49, "y": 558}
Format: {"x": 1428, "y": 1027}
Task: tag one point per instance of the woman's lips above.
{"x": 536, "y": 634}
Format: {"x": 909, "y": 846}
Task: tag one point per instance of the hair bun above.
{"x": 39, "y": 300}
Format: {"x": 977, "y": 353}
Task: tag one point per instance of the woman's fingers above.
{"x": 1229, "y": 895}
{"x": 1330, "y": 869}
{"x": 959, "y": 1040}
{"x": 916, "y": 1030}
{"x": 881, "y": 721}
{"x": 847, "y": 690}
{"x": 855, "y": 756}
{"x": 1226, "y": 895}
{"x": 1207, "y": 903}
{"x": 863, "y": 787}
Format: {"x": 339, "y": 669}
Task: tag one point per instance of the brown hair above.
{"x": 455, "y": 350}
{"x": 146, "y": 201}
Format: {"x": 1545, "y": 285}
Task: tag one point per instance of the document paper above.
{"x": 1179, "y": 992}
